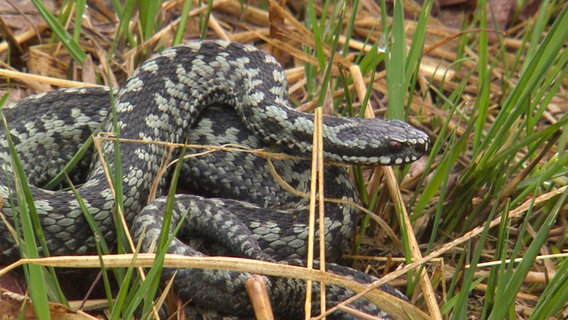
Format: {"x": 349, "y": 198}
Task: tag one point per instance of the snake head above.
{"x": 403, "y": 144}
{"x": 373, "y": 141}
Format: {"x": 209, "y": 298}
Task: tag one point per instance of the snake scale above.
{"x": 211, "y": 92}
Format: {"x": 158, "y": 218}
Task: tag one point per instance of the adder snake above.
{"x": 211, "y": 92}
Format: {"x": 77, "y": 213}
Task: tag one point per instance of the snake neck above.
{"x": 195, "y": 75}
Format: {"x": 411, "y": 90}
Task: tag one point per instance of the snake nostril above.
{"x": 422, "y": 148}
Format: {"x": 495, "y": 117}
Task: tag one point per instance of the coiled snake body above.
{"x": 182, "y": 95}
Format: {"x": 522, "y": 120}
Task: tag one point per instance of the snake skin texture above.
{"x": 207, "y": 92}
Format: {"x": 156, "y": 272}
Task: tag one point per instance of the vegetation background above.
{"x": 476, "y": 230}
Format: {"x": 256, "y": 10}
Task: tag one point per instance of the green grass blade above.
{"x": 56, "y": 181}
{"x": 120, "y": 306}
{"x": 469, "y": 282}
{"x": 530, "y": 81}
{"x": 125, "y": 17}
{"x": 90, "y": 220}
{"x": 534, "y": 37}
{"x": 350, "y": 27}
{"x": 101, "y": 245}
{"x": 182, "y": 22}
{"x": 80, "y": 6}
{"x": 150, "y": 285}
{"x": 395, "y": 61}
{"x": 26, "y": 214}
{"x": 73, "y": 46}
{"x": 554, "y": 297}
{"x": 122, "y": 242}
{"x": 149, "y": 14}
{"x": 205, "y": 20}
{"x": 312, "y": 21}
{"x": 416, "y": 49}
{"x": 482, "y": 102}
{"x": 506, "y": 294}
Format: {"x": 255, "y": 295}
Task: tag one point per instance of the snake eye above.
{"x": 395, "y": 146}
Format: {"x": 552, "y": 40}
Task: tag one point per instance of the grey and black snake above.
{"x": 209, "y": 92}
